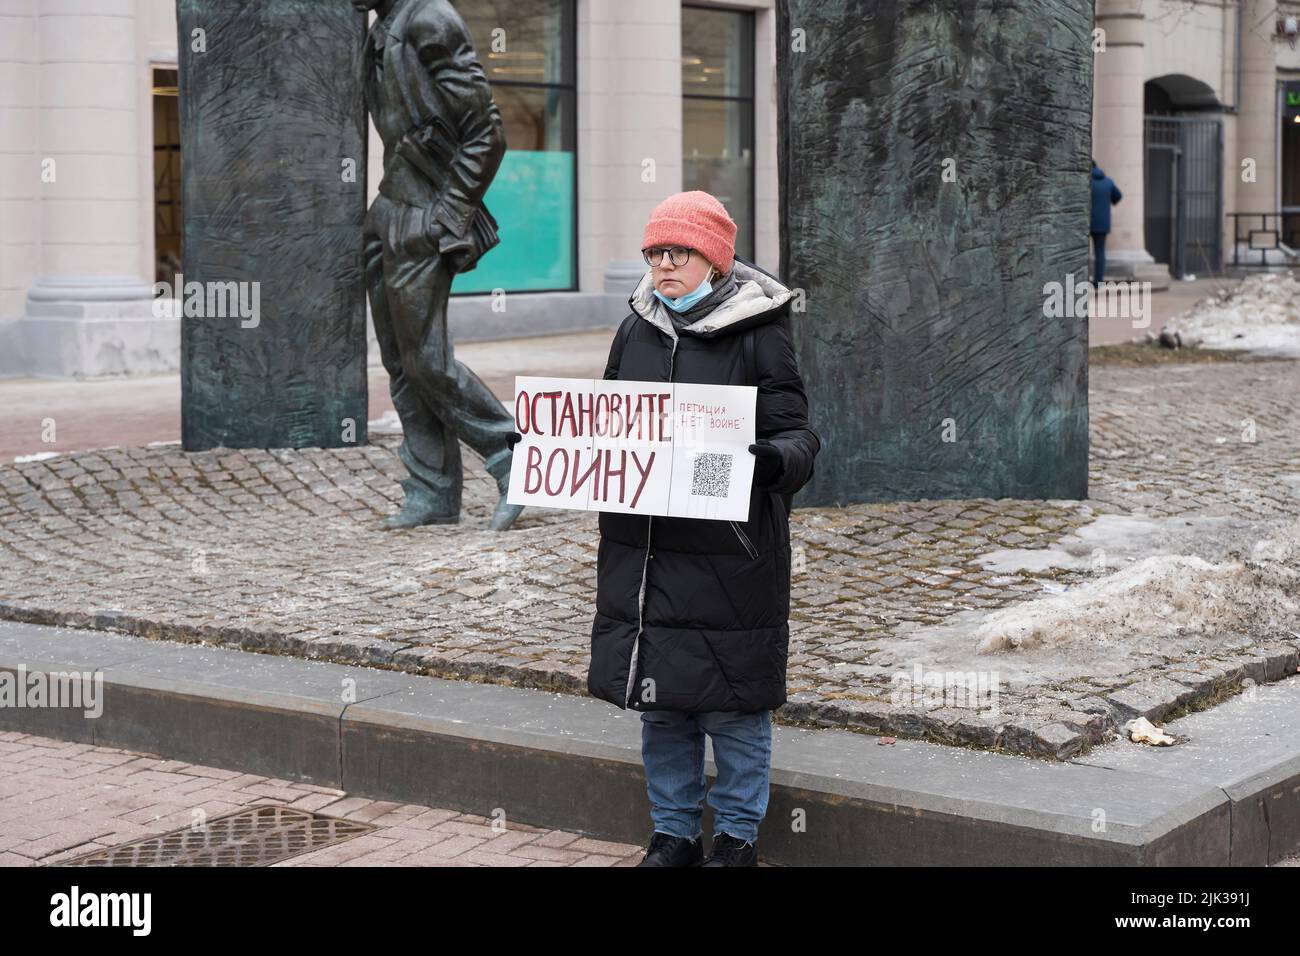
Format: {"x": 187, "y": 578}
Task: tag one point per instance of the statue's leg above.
{"x": 481, "y": 420}
{"x": 432, "y": 493}
{"x": 419, "y": 293}
{"x": 485, "y": 423}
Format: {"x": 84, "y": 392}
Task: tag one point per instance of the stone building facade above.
{"x": 610, "y": 105}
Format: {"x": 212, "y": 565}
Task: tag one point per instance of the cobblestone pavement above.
{"x": 281, "y": 551}
{"x": 59, "y": 800}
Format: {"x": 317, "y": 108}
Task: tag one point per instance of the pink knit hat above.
{"x": 694, "y": 219}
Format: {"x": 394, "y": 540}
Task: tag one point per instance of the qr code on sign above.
{"x": 712, "y": 475}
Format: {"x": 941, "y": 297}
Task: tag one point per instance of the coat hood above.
{"x": 760, "y": 298}
{"x": 1097, "y": 173}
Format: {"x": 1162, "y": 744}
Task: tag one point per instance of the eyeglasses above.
{"x": 680, "y": 255}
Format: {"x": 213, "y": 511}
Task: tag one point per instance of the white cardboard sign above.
{"x": 655, "y": 448}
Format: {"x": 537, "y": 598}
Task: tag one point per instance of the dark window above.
{"x": 527, "y": 51}
{"x": 168, "y": 221}
{"x": 1290, "y": 171}
{"x": 718, "y": 112}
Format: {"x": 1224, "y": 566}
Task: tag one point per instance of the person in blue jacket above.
{"x": 1104, "y": 195}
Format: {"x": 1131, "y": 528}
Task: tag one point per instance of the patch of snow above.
{"x": 39, "y": 456}
{"x": 1108, "y": 540}
{"x": 1071, "y": 644}
{"x": 1162, "y": 596}
{"x": 1260, "y": 315}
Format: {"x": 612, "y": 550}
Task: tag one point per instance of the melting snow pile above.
{"x": 1262, "y": 315}
{"x": 1162, "y": 597}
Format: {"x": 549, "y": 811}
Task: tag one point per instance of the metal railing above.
{"x": 1262, "y": 233}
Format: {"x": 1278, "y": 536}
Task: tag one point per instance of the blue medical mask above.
{"x": 682, "y": 303}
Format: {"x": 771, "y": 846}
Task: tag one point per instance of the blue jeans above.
{"x": 672, "y": 748}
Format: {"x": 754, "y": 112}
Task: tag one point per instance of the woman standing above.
{"x": 691, "y": 623}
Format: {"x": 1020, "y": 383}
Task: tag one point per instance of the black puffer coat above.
{"x": 703, "y": 605}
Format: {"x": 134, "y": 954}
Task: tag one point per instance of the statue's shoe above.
{"x": 419, "y": 508}
{"x": 415, "y": 518}
{"x": 504, "y": 515}
{"x": 498, "y": 466}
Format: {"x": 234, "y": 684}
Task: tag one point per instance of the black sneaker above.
{"x": 728, "y": 850}
{"x": 665, "y": 850}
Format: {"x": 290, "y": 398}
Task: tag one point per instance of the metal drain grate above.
{"x": 255, "y": 836}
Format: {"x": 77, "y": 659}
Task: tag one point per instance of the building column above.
{"x": 1257, "y": 117}
{"x": 89, "y": 310}
{"x": 1119, "y": 72}
{"x": 19, "y": 175}
{"x": 629, "y": 133}
{"x": 767, "y": 206}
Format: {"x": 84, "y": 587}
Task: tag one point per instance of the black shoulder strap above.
{"x": 751, "y": 367}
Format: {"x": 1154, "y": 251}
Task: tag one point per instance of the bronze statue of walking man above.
{"x": 443, "y": 141}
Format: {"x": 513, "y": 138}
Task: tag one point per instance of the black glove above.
{"x": 512, "y": 438}
{"x": 768, "y": 465}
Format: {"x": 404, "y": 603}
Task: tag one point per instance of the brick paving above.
{"x": 281, "y": 551}
{"x": 60, "y": 800}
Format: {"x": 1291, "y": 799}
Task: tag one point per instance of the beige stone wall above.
{"x": 1119, "y": 71}
{"x": 629, "y": 127}
{"x": 1149, "y": 39}
{"x": 1183, "y": 37}
{"x": 19, "y": 154}
{"x": 629, "y": 111}
{"x": 75, "y": 86}
{"x": 96, "y": 116}
{"x": 156, "y": 47}
{"x": 74, "y": 90}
